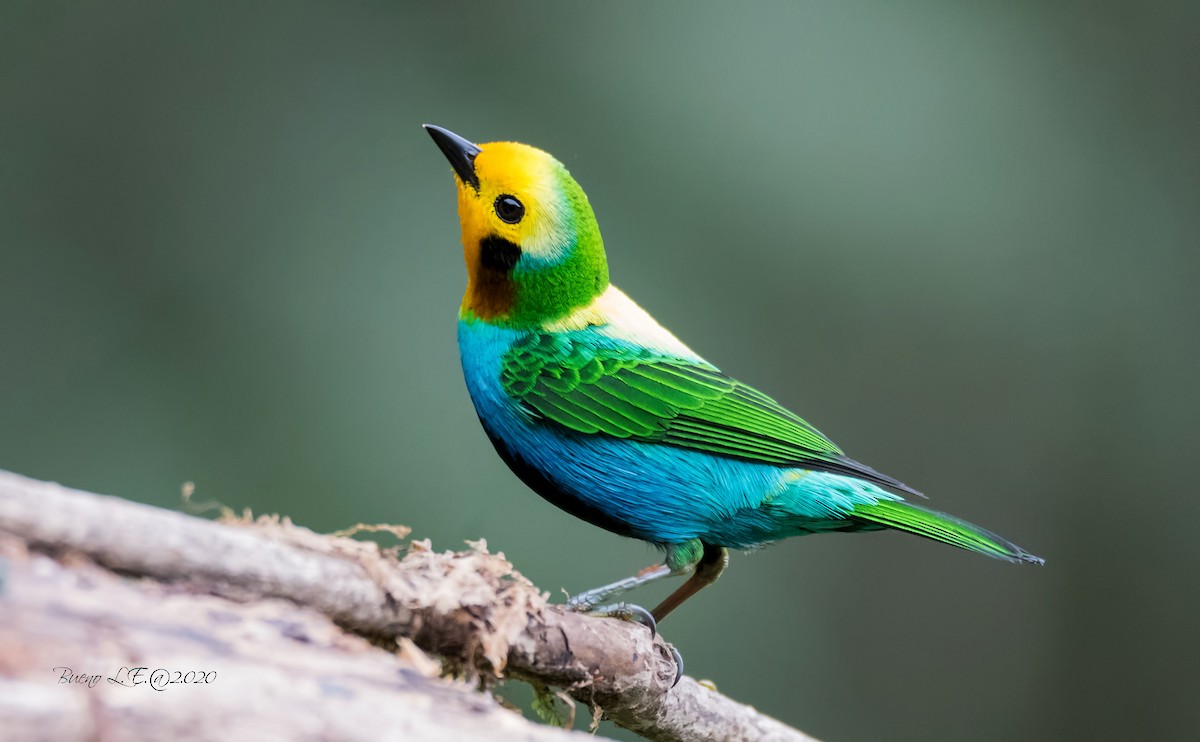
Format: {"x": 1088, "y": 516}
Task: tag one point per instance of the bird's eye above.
{"x": 509, "y": 209}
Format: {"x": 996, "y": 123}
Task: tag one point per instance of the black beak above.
{"x": 458, "y": 151}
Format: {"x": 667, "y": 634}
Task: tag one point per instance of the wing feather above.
{"x": 628, "y": 392}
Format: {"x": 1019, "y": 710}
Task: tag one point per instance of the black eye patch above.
{"x": 498, "y": 254}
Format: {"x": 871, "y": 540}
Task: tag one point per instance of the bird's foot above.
{"x": 586, "y": 601}
{"x": 623, "y": 611}
{"x": 633, "y": 613}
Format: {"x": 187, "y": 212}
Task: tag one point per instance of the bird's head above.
{"x": 530, "y": 239}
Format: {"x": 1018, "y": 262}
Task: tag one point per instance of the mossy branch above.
{"x": 471, "y": 608}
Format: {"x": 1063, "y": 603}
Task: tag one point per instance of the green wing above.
{"x": 625, "y": 391}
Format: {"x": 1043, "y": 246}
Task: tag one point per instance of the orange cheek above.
{"x": 471, "y": 253}
{"x": 472, "y": 226}
{"x": 489, "y": 294}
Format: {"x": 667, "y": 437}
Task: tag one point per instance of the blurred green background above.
{"x": 961, "y": 240}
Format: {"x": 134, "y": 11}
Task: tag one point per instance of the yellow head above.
{"x": 530, "y": 240}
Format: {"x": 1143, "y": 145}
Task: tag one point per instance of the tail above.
{"x": 931, "y": 524}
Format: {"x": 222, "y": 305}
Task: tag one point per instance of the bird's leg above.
{"x": 709, "y": 566}
{"x": 708, "y": 562}
{"x": 587, "y": 601}
{"x": 680, "y": 558}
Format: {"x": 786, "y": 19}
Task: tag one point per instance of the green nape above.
{"x": 931, "y": 524}
{"x": 548, "y": 292}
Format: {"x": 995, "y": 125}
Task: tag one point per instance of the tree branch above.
{"x": 470, "y": 607}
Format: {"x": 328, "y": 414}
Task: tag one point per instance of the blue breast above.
{"x": 661, "y": 494}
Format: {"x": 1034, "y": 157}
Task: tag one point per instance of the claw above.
{"x": 623, "y": 611}
{"x": 628, "y": 612}
{"x": 678, "y": 665}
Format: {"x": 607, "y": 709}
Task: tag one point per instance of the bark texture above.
{"x": 310, "y": 636}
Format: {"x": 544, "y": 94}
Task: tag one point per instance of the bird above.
{"x": 603, "y": 412}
